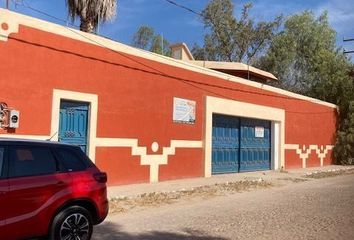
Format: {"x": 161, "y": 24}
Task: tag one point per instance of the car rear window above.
{"x": 70, "y": 160}
{"x": 2, "y": 151}
{"x": 30, "y": 161}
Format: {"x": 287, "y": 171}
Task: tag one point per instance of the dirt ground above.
{"x": 153, "y": 199}
{"x": 314, "y": 206}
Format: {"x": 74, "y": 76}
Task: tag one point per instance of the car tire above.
{"x": 71, "y": 223}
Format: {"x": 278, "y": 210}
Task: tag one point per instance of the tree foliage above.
{"x": 145, "y": 38}
{"x": 303, "y": 54}
{"x": 344, "y": 150}
{"x": 306, "y": 60}
{"x": 142, "y": 38}
{"x": 231, "y": 39}
{"x": 91, "y": 12}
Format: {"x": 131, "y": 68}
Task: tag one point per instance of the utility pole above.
{"x": 7, "y": 4}
{"x": 162, "y": 44}
{"x": 348, "y": 40}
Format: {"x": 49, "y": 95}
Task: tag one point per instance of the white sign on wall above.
{"x": 259, "y": 132}
{"x": 183, "y": 110}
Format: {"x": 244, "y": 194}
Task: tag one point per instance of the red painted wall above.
{"x": 135, "y": 100}
{"x": 185, "y": 164}
{"x": 122, "y": 168}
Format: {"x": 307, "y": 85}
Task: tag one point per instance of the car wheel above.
{"x": 73, "y": 223}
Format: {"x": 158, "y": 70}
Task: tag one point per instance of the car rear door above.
{"x": 3, "y": 194}
{"x": 36, "y": 189}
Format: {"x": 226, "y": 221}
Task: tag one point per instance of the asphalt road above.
{"x": 316, "y": 209}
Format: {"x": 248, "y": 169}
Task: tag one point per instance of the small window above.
{"x": 31, "y": 161}
{"x": 2, "y": 151}
{"x": 70, "y": 160}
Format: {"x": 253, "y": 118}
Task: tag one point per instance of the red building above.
{"x": 144, "y": 117}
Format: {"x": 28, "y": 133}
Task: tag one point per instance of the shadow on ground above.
{"x": 111, "y": 231}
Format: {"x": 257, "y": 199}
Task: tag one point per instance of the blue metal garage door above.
{"x": 225, "y": 144}
{"x": 73, "y": 123}
{"x": 240, "y": 144}
{"x": 255, "y": 145}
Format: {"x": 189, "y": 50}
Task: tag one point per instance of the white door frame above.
{"x": 242, "y": 109}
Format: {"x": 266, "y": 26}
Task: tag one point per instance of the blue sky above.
{"x": 179, "y": 25}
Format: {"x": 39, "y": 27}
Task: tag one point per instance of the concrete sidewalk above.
{"x": 176, "y": 185}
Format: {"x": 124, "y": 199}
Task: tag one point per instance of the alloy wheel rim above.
{"x": 75, "y": 227}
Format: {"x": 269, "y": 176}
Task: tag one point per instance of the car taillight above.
{"x": 100, "y": 177}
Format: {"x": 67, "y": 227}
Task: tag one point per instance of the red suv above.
{"x": 49, "y": 189}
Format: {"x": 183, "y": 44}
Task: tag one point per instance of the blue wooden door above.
{"x": 225, "y": 144}
{"x": 73, "y": 123}
{"x": 255, "y": 144}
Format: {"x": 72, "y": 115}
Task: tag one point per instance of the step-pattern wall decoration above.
{"x": 152, "y": 160}
{"x": 304, "y": 151}
{"x": 6, "y": 28}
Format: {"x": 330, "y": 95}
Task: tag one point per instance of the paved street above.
{"x": 315, "y": 209}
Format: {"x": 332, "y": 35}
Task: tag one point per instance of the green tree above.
{"x": 344, "y": 150}
{"x": 160, "y": 45}
{"x": 302, "y": 54}
{"x": 91, "y": 12}
{"x": 145, "y": 38}
{"x": 305, "y": 58}
{"x": 231, "y": 39}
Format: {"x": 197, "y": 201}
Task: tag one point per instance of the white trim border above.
{"x": 152, "y": 160}
{"x": 92, "y": 99}
{"x": 14, "y": 19}
{"x": 242, "y": 109}
{"x": 305, "y": 152}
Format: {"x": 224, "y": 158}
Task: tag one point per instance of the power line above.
{"x": 212, "y": 24}
{"x": 25, "y": 4}
{"x": 174, "y": 77}
{"x": 160, "y": 73}
{"x": 348, "y": 40}
{"x": 184, "y": 7}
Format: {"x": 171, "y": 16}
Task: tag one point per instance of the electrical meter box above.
{"x": 14, "y": 119}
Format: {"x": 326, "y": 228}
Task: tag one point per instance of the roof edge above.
{"x": 238, "y": 66}
{"x": 14, "y": 19}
